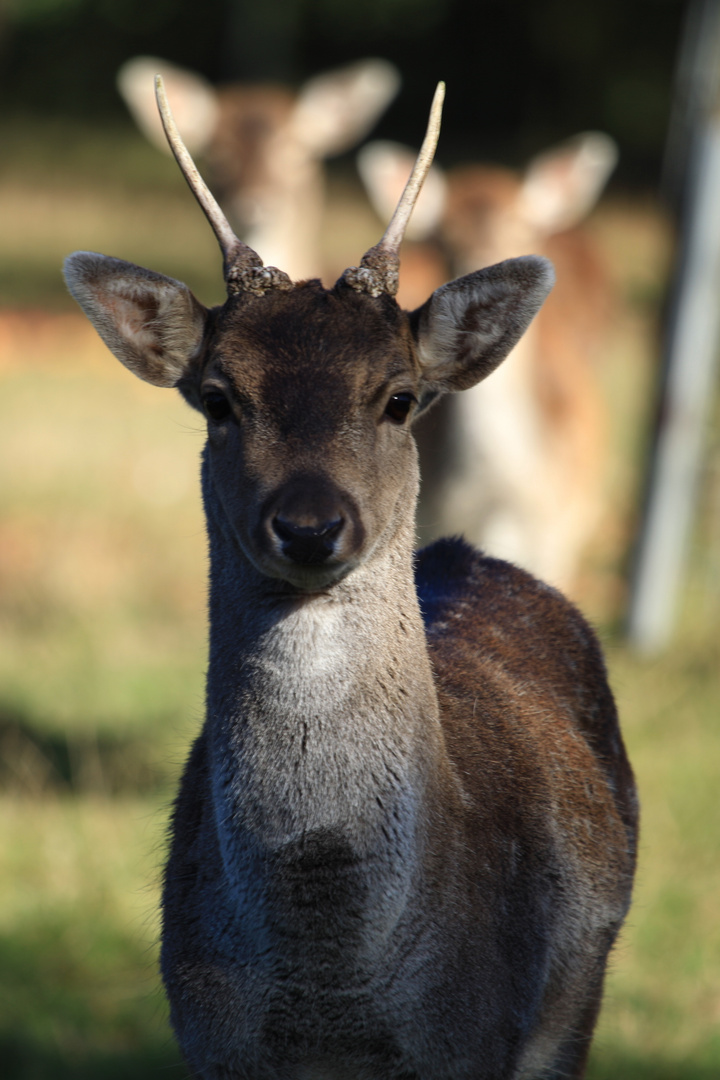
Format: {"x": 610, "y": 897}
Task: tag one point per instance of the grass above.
{"x": 79, "y": 992}
{"x": 102, "y": 650}
{"x": 663, "y": 1000}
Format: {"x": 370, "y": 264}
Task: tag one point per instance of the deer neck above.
{"x": 287, "y": 231}
{"x": 322, "y": 713}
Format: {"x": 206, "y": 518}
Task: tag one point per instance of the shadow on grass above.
{"x": 81, "y": 997}
{"x": 35, "y": 762}
{"x": 24, "y": 1061}
{"x": 617, "y": 1065}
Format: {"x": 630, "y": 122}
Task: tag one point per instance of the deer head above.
{"x": 484, "y": 212}
{"x": 263, "y": 145}
{"x": 309, "y": 394}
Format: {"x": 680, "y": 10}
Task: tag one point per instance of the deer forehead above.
{"x": 315, "y": 349}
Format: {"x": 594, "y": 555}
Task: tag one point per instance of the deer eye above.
{"x": 398, "y": 407}
{"x": 216, "y": 405}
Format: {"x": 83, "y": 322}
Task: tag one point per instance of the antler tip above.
{"x": 378, "y": 271}
{"x": 436, "y": 109}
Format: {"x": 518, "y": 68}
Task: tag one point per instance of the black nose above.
{"x": 309, "y": 545}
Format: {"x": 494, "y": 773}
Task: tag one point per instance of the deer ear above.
{"x": 195, "y": 103}
{"x": 469, "y": 325}
{"x": 561, "y": 186}
{"x": 336, "y": 110}
{"x": 153, "y": 324}
{"x": 384, "y": 169}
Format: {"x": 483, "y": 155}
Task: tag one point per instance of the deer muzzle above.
{"x": 310, "y": 529}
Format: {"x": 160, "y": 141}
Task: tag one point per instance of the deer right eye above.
{"x": 216, "y": 405}
{"x": 398, "y": 407}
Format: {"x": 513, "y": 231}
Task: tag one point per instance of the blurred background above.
{"x": 102, "y": 548}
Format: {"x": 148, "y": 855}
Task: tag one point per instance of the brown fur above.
{"x": 404, "y": 840}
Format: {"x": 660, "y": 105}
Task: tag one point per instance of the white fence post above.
{"x": 691, "y": 354}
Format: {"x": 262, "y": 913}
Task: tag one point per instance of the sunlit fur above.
{"x": 405, "y": 837}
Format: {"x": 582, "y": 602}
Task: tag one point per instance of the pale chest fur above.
{"x": 320, "y": 753}
{"x": 311, "y": 740}
{"x": 318, "y": 796}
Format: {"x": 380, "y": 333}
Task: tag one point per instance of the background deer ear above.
{"x": 334, "y": 111}
{"x": 469, "y": 325}
{"x": 563, "y": 184}
{"x": 153, "y": 324}
{"x": 384, "y": 168}
{"x": 194, "y": 101}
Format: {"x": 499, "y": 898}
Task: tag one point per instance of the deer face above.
{"x": 309, "y": 395}
{"x": 249, "y": 119}
{"x": 310, "y": 460}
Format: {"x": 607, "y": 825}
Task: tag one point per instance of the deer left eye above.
{"x": 398, "y": 407}
{"x": 216, "y": 405}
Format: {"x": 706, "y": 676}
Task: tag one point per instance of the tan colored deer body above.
{"x": 404, "y": 841}
{"x": 264, "y": 145}
{"x": 516, "y": 464}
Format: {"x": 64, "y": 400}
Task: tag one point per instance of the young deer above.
{"x": 517, "y": 464}
{"x": 404, "y": 840}
{"x": 264, "y": 145}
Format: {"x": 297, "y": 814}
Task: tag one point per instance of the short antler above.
{"x": 379, "y": 267}
{"x": 242, "y": 267}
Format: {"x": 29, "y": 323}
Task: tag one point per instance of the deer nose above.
{"x": 308, "y": 545}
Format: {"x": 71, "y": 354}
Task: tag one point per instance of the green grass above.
{"x": 78, "y": 932}
{"x": 101, "y": 533}
{"x": 663, "y": 999}
{"x": 102, "y": 652}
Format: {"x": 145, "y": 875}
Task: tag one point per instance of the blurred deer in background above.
{"x": 264, "y": 144}
{"x": 404, "y": 841}
{"x": 516, "y": 464}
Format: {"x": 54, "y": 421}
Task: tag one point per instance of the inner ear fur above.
{"x": 152, "y": 323}
{"x": 469, "y": 326}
